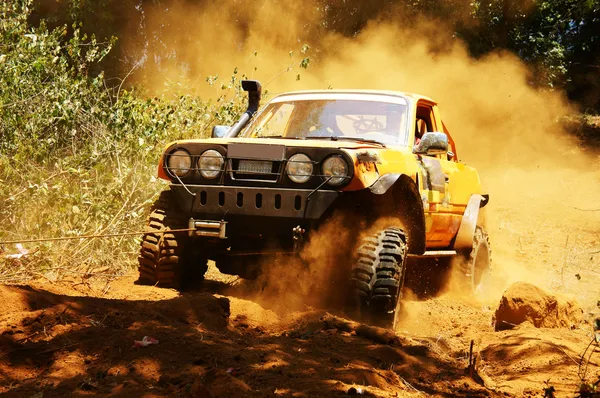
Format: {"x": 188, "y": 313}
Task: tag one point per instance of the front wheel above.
{"x": 168, "y": 259}
{"x": 378, "y": 276}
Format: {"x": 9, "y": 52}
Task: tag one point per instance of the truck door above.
{"x": 441, "y": 179}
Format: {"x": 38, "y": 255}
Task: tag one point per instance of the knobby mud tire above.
{"x": 167, "y": 259}
{"x": 476, "y": 265}
{"x": 378, "y": 276}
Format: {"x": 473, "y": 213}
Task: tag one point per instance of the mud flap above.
{"x": 466, "y": 231}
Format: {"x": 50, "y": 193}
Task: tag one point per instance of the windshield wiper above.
{"x": 344, "y": 138}
{"x": 280, "y": 137}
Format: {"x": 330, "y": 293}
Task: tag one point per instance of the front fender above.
{"x": 399, "y": 197}
{"x": 384, "y": 183}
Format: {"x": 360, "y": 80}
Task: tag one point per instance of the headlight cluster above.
{"x": 334, "y": 169}
{"x": 179, "y": 162}
{"x": 300, "y": 168}
{"x": 210, "y": 163}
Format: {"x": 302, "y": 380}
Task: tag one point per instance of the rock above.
{"x": 355, "y": 391}
{"x": 524, "y": 302}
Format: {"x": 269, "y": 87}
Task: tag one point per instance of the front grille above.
{"x": 212, "y": 202}
{"x": 251, "y": 199}
{"x": 254, "y": 170}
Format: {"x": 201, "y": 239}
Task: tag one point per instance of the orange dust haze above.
{"x": 537, "y": 176}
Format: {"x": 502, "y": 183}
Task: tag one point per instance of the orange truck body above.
{"x": 445, "y": 185}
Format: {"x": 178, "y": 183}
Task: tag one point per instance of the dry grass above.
{"x": 64, "y": 201}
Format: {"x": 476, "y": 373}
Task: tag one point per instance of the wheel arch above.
{"x": 398, "y": 194}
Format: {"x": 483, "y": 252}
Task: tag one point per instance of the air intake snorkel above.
{"x": 254, "y": 89}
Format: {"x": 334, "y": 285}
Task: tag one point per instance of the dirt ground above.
{"x": 230, "y": 337}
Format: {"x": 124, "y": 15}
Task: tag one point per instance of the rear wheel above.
{"x": 475, "y": 267}
{"x": 378, "y": 276}
{"x": 167, "y": 259}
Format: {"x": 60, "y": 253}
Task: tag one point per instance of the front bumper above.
{"x": 217, "y": 202}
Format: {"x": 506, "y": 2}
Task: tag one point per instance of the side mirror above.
{"x": 219, "y": 131}
{"x": 432, "y": 144}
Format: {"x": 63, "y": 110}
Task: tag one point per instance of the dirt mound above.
{"x": 524, "y": 302}
{"x": 24, "y": 299}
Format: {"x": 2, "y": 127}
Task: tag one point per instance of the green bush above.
{"x": 78, "y": 157}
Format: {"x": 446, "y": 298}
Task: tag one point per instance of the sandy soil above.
{"x": 67, "y": 338}
{"x": 230, "y": 338}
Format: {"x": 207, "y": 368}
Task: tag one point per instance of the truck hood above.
{"x": 321, "y": 143}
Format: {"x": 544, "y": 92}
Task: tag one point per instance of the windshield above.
{"x": 374, "y": 120}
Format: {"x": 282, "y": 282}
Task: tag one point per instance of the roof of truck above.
{"x": 318, "y": 93}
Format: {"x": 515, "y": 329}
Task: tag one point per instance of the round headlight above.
{"x": 210, "y": 163}
{"x": 335, "y": 169}
{"x": 179, "y": 162}
{"x": 299, "y": 168}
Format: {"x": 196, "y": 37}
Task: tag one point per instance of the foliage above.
{"x": 47, "y": 71}
{"x": 559, "y": 39}
{"x": 35, "y": 65}
{"x": 548, "y": 35}
{"x": 76, "y": 156}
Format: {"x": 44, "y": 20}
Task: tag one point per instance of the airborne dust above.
{"x": 541, "y": 183}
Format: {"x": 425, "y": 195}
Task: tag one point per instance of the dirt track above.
{"x": 229, "y": 338}
{"x": 62, "y": 340}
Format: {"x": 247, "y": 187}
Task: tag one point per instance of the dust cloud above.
{"x": 509, "y": 130}
{"x": 316, "y": 278}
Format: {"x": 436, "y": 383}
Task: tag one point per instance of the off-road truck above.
{"x": 277, "y": 175}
